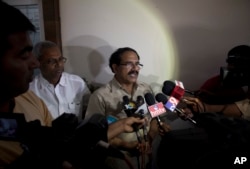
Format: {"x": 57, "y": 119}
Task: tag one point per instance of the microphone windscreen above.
{"x": 125, "y": 100}
{"x": 149, "y": 99}
{"x": 139, "y": 101}
{"x": 161, "y": 98}
{"x": 169, "y": 83}
{"x": 168, "y": 87}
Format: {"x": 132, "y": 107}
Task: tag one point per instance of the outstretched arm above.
{"x": 196, "y": 105}
{"x": 123, "y": 125}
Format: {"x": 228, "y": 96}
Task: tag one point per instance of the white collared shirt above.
{"x": 69, "y": 95}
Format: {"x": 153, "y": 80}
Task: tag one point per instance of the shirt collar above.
{"x": 46, "y": 83}
{"x": 116, "y": 84}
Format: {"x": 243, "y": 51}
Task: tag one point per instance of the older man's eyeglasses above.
{"x": 56, "y": 61}
{"x": 130, "y": 65}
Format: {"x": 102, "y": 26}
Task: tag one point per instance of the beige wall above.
{"x": 186, "y": 40}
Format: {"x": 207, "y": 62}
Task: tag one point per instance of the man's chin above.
{"x": 133, "y": 79}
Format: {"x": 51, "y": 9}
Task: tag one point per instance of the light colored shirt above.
{"x": 244, "y": 106}
{"x": 70, "y": 95}
{"x": 33, "y": 108}
{"x": 108, "y": 100}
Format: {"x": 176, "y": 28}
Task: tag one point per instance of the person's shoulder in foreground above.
{"x": 17, "y": 64}
{"x": 33, "y": 108}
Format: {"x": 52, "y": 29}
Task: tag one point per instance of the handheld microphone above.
{"x": 155, "y": 109}
{"x": 168, "y": 104}
{"x": 141, "y": 113}
{"x": 173, "y": 89}
{"x": 169, "y": 87}
{"x": 141, "y": 105}
{"x": 176, "y": 92}
{"x": 130, "y": 108}
{"x": 139, "y": 101}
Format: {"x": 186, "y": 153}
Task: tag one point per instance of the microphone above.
{"x": 171, "y": 105}
{"x": 175, "y": 90}
{"x": 141, "y": 113}
{"x": 155, "y": 109}
{"x": 141, "y": 105}
{"x": 139, "y": 101}
{"x": 130, "y": 108}
{"x": 169, "y": 88}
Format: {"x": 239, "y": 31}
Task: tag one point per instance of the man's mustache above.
{"x": 133, "y": 72}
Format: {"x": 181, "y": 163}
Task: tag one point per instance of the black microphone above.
{"x": 141, "y": 113}
{"x": 168, "y": 87}
{"x": 139, "y": 101}
{"x": 130, "y": 108}
{"x": 162, "y": 98}
{"x": 154, "y": 108}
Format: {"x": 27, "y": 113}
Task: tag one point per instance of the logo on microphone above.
{"x": 156, "y": 109}
{"x": 130, "y": 105}
{"x": 175, "y": 96}
{"x": 171, "y": 103}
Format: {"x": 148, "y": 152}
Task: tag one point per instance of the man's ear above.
{"x": 114, "y": 68}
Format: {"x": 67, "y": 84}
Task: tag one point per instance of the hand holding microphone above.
{"x": 168, "y": 105}
{"x": 130, "y": 108}
{"x": 194, "y": 106}
{"x": 136, "y": 109}
{"x": 176, "y": 92}
{"x": 131, "y": 121}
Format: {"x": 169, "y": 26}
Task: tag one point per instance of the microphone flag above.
{"x": 175, "y": 96}
{"x": 178, "y": 90}
{"x": 156, "y": 109}
{"x": 172, "y": 103}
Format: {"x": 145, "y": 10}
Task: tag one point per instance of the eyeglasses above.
{"x": 53, "y": 62}
{"x": 130, "y": 65}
